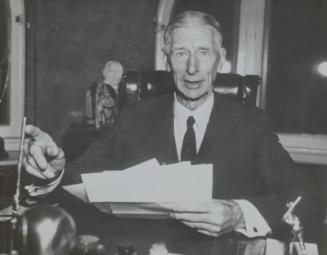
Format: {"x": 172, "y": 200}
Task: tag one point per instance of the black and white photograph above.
{"x": 163, "y": 127}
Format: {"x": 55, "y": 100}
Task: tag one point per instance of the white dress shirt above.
{"x": 255, "y": 224}
{"x": 201, "y": 116}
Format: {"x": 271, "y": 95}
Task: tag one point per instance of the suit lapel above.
{"x": 161, "y": 139}
{"x": 162, "y": 132}
{"x": 214, "y": 135}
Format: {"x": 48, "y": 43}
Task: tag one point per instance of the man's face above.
{"x": 194, "y": 57}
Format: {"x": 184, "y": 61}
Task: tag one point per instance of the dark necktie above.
{"x": 189, "y": 143}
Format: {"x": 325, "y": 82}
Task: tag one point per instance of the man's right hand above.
{"x": 42, "y": 157}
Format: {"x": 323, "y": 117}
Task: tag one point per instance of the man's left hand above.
{"x": 212, "y": 218}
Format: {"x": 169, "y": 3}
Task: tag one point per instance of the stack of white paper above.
{"x": 138, "y": 191}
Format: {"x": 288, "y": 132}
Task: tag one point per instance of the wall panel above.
{"x": 73, "y": 39}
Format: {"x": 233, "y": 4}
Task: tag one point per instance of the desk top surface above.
{"x": 143, "y": 233}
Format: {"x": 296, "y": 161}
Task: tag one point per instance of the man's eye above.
{"x": 203, "y": 52}
{"x": 181, "y": 54}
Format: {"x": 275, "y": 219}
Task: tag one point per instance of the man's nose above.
{"x": 192, "y": 65}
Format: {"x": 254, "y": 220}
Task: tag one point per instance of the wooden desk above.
{"x": 143, "y": 233}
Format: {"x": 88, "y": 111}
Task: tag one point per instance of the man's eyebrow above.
{"x": 179, "y": 48}
{"x": 204, "y": 48}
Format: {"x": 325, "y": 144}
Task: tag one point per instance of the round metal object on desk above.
{"x": 88, "y": 245}
{"x": 45, "y": 230}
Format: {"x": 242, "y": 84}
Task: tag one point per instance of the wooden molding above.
{"x": 306, "y": 148}
{"x": 16, "y": 70}
{"x": 12, "y": 143}
{"x": 164, "y": 11}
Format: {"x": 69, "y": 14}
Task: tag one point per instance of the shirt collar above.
{"x": 201, "y": 114}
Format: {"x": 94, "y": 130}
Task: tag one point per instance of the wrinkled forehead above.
{"x": 199, "y": 34}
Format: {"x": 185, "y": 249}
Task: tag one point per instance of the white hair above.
{"x": 191, "y": 18}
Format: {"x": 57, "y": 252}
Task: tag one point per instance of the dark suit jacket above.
{"x": 249, "y": 162}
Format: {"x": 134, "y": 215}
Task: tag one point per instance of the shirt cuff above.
{"x": 255, "y": 224}
{"x": 36, "y": 190}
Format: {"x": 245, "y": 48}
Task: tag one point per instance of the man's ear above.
{"x": 165, "y": 60}
{"x": 222, "y": 58}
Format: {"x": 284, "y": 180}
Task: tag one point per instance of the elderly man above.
{"x": 253, "y": 174}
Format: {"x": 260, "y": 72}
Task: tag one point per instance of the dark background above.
{"x": 296, "y": 93}
{"x": 70, "y": 40}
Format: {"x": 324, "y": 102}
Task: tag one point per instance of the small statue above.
{"x": 106, "y": 109}
{"x": 104, "y": 99}
{"x": 296, "y": 245}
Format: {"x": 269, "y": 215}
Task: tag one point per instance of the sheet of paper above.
{"x": 185, "y": 183}
{"x": 124, "y": 210}
{"x": 178, "y": 182}
{"x": 138, "y": 192}
{"x": 139, "y": 210}
{"x": 146, "y": 166}
{"x": 77, "y": 190}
